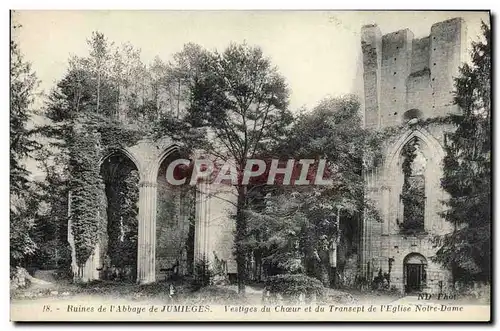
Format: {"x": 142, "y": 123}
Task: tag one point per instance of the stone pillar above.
{"x": 386, "y": 215}
{"x": 201, "y": 222}
{"x": 146, "y": 242}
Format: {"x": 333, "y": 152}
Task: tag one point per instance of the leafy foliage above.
{"x": 84, "y": 128}
{"x": 51, "y": 223}
{"x": 122, "y": 219}
{"x": 86, "y": 186}
{"x": 22, "y": 221}
{"x": 293, "y": 229}
{"x": 22, "y": 90}
{"x": 202, "y": 273}
{"x": 23, "y": 192}
{"x": 238, "y": 108}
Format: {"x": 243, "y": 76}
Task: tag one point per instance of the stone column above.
{"x": 146, "y": 243}
{"x": 386, "y": 215}
{"x": 201, "y": 222}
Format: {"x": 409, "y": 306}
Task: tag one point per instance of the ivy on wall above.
{"x": 374, "y": 151}
{"x": 94, "y": 136}
{"x": 86, "y": 185}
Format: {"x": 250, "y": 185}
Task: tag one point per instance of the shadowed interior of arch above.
{"x": 175, "y": 226}
{"x": 413, "y": 164}
{"x": 119, "y": 238}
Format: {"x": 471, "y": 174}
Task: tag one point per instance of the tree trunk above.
{"x": 241, "y": 229}
{"x": 98, "y": 90}
{"x": 178, "y": 98}
{"x": 118, "y": 95}
{"x": 324, "y": 268}
{"x": 258, "y": 266}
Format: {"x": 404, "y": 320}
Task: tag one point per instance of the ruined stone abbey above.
{"x": 406, "y": 81}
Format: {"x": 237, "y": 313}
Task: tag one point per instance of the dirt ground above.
{"x": 101, "y": 292}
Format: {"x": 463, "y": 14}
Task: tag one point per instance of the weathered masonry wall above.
{"x": 405, "y": 78}
{"x": 383, "y": 240}
{"x": 164, "y": 221}
{"x": 403, "y": 73}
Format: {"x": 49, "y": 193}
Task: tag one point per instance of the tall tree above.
{"x": 242, "y": 102}
{"x": 23, "y": 208}
{"x": 331, "y": 131}
{"x": 99, "y": 61}
{"x": 23, "y": 84}
{"x": 158, "y": 73}
{"x": 467, "y": 170}
{"x": 51, "y": 224}
{"x": 181, "y": 75}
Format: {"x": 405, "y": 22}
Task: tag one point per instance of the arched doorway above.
{"x": 119, "y": 240}
{"x": 415, "y": 272}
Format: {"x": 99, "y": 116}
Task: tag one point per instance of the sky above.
{"x": 317, "y": 52}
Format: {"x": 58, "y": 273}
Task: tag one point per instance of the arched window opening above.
{"x": 412, "y": 114}
{"x": 413, "y": 191}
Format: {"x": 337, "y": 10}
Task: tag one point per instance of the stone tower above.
{"x": 408, "y": 84}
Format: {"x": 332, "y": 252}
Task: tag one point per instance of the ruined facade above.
{"x": 406, "y": 81}
{"x": 408, "y": 84}
{"x": 167, "y": 217}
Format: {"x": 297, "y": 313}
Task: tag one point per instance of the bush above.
{"x": 217, "y": 295}
{"x": 479, "y": 291}
{"x": 19, "y": 278}
{"x": 381, "y": 281}
{"x": 291, "y": 287}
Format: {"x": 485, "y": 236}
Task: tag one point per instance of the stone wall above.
{"x": 372, "y": 55}
{"x": 402, "y": 73}
{"x": 382, "y": 239}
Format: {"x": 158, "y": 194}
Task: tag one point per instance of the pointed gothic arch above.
{"x": 434, "y": 148}
{"x": 119, "y": 246}
{"x": 152, "y": 172}
{"x": 122, "y": 151}
{"x": 433, "y": 153}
